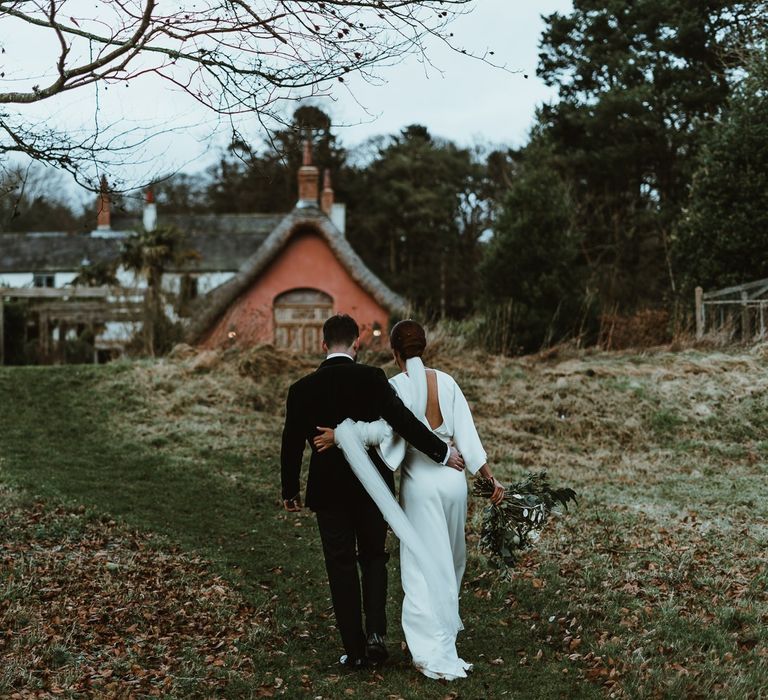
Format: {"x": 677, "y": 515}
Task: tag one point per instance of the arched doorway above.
{"x": 299, "y": 318}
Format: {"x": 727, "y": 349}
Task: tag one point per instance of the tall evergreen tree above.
{"x": 265, "y": 180}
{"x": 180, "y": 194}
{"x": 31, "y": 200}
{"x": 532, "y": 276}
{"x": 721, "y": 239}
{"x": 636, "y": 81}
{"x": 417, "y": 217}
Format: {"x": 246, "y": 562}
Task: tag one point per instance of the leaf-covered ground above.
{"x": 151, "y": 489}
{"x": 91, "y": 607}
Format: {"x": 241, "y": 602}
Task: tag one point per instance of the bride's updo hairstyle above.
{"x": 408, "y": 339}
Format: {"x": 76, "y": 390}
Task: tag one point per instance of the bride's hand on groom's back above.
{"x": 325, "y": 440}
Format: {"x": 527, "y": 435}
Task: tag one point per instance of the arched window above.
{"x": 299, "y": 318}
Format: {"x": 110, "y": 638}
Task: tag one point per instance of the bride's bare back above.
{"x": 433, "y": 413}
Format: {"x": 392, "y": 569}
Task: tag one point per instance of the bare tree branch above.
{"x": 232, "y": 56}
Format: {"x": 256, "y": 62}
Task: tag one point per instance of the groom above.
{"x": 352, "y": 529}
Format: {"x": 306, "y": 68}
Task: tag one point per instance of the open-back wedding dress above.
{"x": 430, "y": 519}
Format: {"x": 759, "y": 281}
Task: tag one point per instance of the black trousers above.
{"x": 351, "y": 537}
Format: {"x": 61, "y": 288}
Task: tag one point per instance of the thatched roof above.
{"x": 213, "y": 305}
{"x": 223, "y": 241}
{"x": 209, "y": 224}
{"x": 53, "y": 251}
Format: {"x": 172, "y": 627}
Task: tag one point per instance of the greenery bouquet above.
{"x": 514, "y": 524}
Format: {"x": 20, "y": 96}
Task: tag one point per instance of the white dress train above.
{"x": 434, "y": 501}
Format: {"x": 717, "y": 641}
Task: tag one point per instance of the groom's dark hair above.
{"x": 340, "y": 329}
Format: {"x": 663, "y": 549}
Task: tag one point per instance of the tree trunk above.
{"x": 149, "y": 330}
{"x": 154, "y": 310}
{"x": 442, "y": 284}
{"x": 2, "y": 332}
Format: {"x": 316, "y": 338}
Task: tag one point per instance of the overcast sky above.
{"x": 467, "y": 100}
{"x": 458, "y": 98}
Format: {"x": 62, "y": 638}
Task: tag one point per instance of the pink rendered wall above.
{"x": 306, "y": 261}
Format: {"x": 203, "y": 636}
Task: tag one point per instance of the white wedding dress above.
{"x": 431, "y": 520}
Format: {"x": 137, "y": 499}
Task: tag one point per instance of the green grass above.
{"x": 61, "y": 444}
{"x": 654, "y": 587}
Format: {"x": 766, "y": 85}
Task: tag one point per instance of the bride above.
{"x": 433, "y": 500}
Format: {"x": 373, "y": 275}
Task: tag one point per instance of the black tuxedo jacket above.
{"x": 340, "y": 388}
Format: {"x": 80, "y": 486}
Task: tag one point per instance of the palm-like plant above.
{"x": 149, "y": 254}
{"x": 99, "y": 274}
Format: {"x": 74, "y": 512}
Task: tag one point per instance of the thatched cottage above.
{"x": 256, "y": 278}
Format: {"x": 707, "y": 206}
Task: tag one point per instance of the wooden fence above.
{"x": 738, "y": 311}
{"x": 61, "y": 309}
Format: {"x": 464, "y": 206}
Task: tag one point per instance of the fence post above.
{"x": 2, "y": 332}
{"x": 745, "y": 329}
{"x": 699, "y": 313}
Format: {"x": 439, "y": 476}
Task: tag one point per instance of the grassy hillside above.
{"x": 143, "y": 549}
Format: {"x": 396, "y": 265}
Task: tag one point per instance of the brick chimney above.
{"x": 149, "y": 215}
{"x": 309, "y": 179}
{"x": 103, "y": 222}
{"x": 326, "y": 199}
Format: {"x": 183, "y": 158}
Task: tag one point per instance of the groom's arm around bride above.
{"x": 341, "y": 388}
{"x": 310, "y": 403}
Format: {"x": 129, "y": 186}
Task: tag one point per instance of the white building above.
{"x": 39, "y": 268}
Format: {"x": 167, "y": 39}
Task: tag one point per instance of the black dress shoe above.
{"x": 351, "y": 663}
{"x": 376, "y": 649}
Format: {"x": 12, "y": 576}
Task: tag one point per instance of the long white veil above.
{"x": 352, "y": 438}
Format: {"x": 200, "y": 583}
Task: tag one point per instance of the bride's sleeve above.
{"x": 465, "y": 433}
{"x": 379, "y": 434}
{"x": 372, "y": 433}
{"x": 392, "y": 448}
